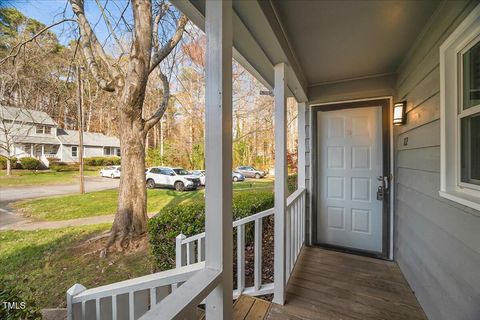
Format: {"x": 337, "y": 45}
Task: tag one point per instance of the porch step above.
{"x": 249, "y": 308}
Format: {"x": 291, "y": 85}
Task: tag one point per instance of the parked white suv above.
{"x": 176, "y": 178}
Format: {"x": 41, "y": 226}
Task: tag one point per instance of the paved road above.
{"x": 12, "y": 194}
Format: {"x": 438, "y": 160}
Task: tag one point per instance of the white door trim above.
{"x": 313, "y": 130}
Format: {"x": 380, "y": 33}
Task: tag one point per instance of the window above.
{"x": 118, "y": 152}
{"x": 74, "y": 151}
{"x": 469, "y": 115}
{"x": 48, "y": 130}
{"x": 460, "y": 113}
{"x": 106, "y": 151}
{"x": 39, "y": 129}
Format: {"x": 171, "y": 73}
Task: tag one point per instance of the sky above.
{"x": 50, "y": 11}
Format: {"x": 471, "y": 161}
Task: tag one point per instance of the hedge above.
{"x": 30, "y": 163}
{"x": 189, "y": 219}
{"x": 102, "y": 161}
{"x": 3, "y": 163}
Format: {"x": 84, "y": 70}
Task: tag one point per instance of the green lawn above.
{"x": 105, "y": 202}
{"x": 46, "y": 263}
{"x": 27, "y": 178}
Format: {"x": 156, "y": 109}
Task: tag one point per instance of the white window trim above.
{"x": 450, "y": 187}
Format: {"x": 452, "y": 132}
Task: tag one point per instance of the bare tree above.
{"x": 129, "y": 84}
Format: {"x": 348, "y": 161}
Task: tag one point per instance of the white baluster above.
{"x": 83, "y": 310}
{"x": 153, "y": 297}
{"x": 240, "y": 258}
{"x": 114, "y": 307}
{"x": 180, "y": 255}
{"x": 295, "y": 233}
{"x": 97, "y": 308}
{"x": 292, "y": 237}
{"x": 199, "y": 250}
{"x": 131, "y": 307}
{"x": 258, "y": 254}
{"x": 287, "y": 242}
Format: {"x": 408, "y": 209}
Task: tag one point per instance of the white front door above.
{"x": 350, "y": 161}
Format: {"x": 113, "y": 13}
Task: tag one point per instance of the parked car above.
{"x": 251, "y": 172}
{"x": 111, "y": 172}
{"x": 177, "y": 178}
{"x": 236, "y": 176}
{"x": 200, "y": 174}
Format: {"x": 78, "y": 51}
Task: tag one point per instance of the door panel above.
{"x": 349, "y": 163}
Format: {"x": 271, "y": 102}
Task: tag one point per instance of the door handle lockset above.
{"x": 380, "y": 193}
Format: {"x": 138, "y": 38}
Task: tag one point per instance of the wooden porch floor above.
{"x": 332, "y": 285}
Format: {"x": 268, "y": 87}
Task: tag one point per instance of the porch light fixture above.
{"x": 399, "y": 116}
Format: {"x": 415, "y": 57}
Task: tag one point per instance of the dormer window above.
{"x": 39, "y": 129}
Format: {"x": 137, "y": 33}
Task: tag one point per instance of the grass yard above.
{"x": 105, "y": 202}
{"x": 27, "y": 178}
{"x": 45, "y": 263}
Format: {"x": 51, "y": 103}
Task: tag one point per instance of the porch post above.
{"x": 301, "y": 144}
{"x": 280, "y": 117}
{"x": 218, "y": 160}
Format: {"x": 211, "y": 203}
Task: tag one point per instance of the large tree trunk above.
{"x": 131, "y": 217}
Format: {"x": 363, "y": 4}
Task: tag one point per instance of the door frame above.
{"x": 388, "y": 169}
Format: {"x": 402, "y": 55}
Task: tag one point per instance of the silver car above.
{"x": 250, "y": 172}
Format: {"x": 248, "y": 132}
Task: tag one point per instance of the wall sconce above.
{"x": 399, "y": 116}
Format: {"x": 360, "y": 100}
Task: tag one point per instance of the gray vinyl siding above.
{"x": 437, "y": 242}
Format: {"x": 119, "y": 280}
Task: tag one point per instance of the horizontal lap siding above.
{"x": 437, "y": 242}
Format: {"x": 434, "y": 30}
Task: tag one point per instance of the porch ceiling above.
{"x": 344, "y": 40}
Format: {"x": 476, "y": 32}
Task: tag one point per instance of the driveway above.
{"x": 12, "y": 194}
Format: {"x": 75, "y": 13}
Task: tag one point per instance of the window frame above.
{"x": 473, "y": 110}
{"x": 460, "y": 40}
{"x": 76, "y": 151}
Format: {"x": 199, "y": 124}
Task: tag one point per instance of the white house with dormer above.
{"x": 30, "y": 133}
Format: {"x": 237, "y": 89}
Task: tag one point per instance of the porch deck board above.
{"x": 334, "y": 285}
{"x": 250, "y": 308}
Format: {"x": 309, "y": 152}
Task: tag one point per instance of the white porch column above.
{"x": 280, "y": 93}
{"x": 302, "y": 106}
{"x": 218, "y": 160}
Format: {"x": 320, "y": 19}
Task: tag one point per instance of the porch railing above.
{"x": 50, "y": 155}
{"x": 192, "y": 249}
{"x": 294, "y": 229}
{"x": 133, "y": 297}
{"x": 175, "y": 293}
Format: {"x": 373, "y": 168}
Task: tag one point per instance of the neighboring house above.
{"x": 30, "y": 133}
{"x": 403, "y": 201}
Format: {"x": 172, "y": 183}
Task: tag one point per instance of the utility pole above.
{"x": 80, "y": 126}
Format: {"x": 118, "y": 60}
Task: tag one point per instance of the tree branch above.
{"x": 163, "y": 52}
{"x": 158, "y": 114}
{"x": 109, "y": 26}
{"x": 92, "y": 48}
{"x": 19, "y": 46}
